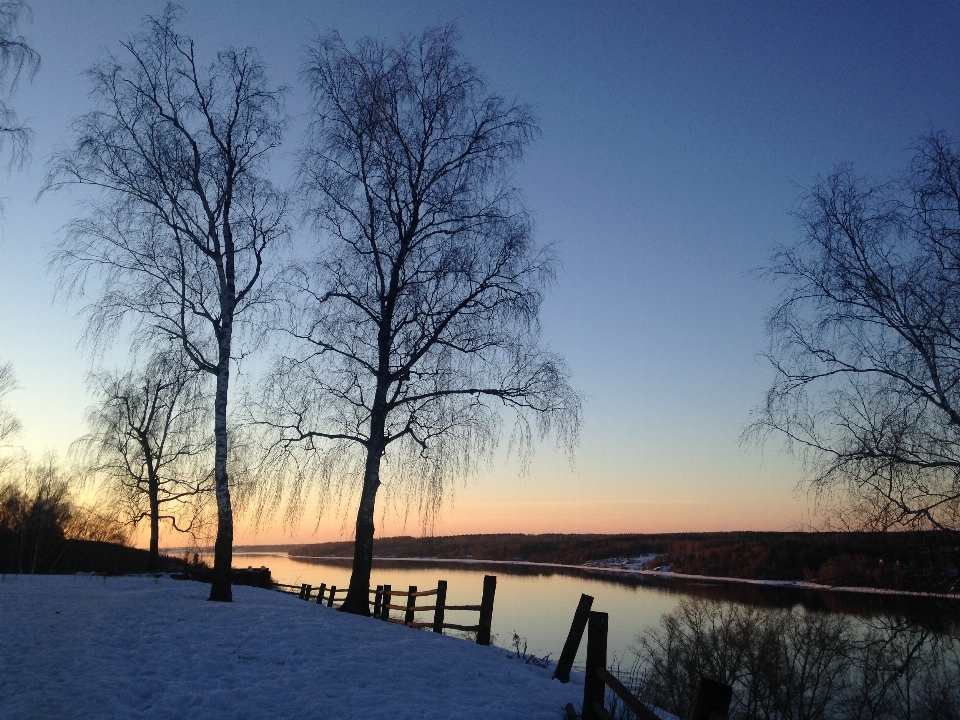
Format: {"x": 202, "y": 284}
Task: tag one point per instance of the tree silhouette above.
{"x": 16, "y": 58}
{"x": 148, "y": 437}
{"x": 866, "y": 342}
{"x": 179, "y": 235}
{"x": 416, "y": 324}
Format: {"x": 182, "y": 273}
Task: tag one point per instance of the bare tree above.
{"x": 16, "y": 58}
{"x": 786, "y": 664}
{"x": 149, "y": 440}
{"x": 35, "y": 507}
{"x": 866, "y": 342}
{"x": 417, "y": 321}
{"x": 9, "y": 422}
{"x": 185, "y": 219}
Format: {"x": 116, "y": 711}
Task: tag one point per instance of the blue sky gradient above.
{"x": 677, "y": 138}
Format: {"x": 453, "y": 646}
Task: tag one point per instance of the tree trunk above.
{"x": 221, "y": 590}
{"x": 153, "y": 559}
{"x": 358, "y": 596}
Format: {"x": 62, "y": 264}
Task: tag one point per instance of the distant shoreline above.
{"x": 921, "y": 564}
{"x": 666, "y": 575}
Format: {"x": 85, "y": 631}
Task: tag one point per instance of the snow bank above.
{"x": 135, "y": 647}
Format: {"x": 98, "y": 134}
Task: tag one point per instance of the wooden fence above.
{"x": 383, "y": 603}
{"x": 713, "y": 698}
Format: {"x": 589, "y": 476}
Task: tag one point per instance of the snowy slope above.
{"x": 89, "y": 647}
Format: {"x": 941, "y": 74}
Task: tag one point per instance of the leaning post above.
{"x": 321, "y": 592}
{"x": 593, "y": 685}
{"x": 570, "y": 647}
{"x": 486, "y": 609}
{"x": 333, "y": 592}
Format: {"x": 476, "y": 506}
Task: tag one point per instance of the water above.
{"x": 538, "y": 603}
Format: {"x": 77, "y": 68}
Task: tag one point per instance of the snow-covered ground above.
{"x": 140, "y": 647}
{"x": 636, "y": 562}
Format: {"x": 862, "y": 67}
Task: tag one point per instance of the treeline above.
{"x": 898, "y": 560}
{"x": 43, "y": 529}
{"x": 552, "y": 548}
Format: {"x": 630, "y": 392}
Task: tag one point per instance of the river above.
{"x": 538, "y": 602}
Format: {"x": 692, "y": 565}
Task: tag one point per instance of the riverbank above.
{"x": 122, "y": 647}
{"x": 926, "y": 561}
{"x": 633, "y": 570}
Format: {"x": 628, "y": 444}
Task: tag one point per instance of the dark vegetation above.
{"x": 902, "y": 560}
{"x": 798, "y": 664}
{"x": 45, "y": 531}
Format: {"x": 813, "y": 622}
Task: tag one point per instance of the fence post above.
{"x": 303, "y": 590}
{"x": 411, "y": 604}
{"x": 593, "y": 685}
{"x": 384, "y": 610}
{"x": 333, "y": 592}
{"x": 570, "y": 647}
{"x": 307, "y": 589}
{"x": 377, "y": 601}
{"x": 441, "y": 604}
{"x": 321, "y": 591}
{"x": 713, "y": 700}
{"x": 486, "y": 609}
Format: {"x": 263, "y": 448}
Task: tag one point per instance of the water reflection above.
{"x": 537, "y": 602}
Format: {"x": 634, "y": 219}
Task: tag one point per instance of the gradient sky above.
{"x": 677, "y": 138}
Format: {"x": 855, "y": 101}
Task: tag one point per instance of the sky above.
{"x": 677, "y": 139}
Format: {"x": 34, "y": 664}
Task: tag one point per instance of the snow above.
{"x": 144, "y": 647}
{"x": 637, "y": 562}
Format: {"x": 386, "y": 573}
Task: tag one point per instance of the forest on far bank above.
{"x": 928, "y": 561}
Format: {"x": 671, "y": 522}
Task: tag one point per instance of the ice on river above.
{"x": 135, "y": 647}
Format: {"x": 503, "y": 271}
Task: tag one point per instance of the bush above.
{"x": 43, "y": 529}
{"x": 787, "y": 664}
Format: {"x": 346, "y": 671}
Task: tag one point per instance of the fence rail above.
{"x": 712, "y": 702}
{"x": 382, "y": 603}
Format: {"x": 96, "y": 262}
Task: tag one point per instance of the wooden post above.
{"x": 303, "y": 590}
{"x": 384, "y": 610}
{"x": 486, "y": 609}
{"x": 593, "y": 685}
{"x": 713, "y": 700}
{"x": 377, "y": 601}
{"x": 333, "y": 592}
{"x": 321, "y": 592}
{"x": 411, "y": 604}
{"x": 307, "y": 589}
{"x": 570, "y": 647}
{"x": 441, "y": 604}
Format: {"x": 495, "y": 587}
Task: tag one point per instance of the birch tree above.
{"x": 10, "y": 424}
{"x": 17, "y": 59}
{"x": 149, "y": 440}
{"x": 866, "y": 342}
{"x": 183, "y": 219}
{"x": 416, "y": 325}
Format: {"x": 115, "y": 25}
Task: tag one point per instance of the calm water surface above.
{"x": 538, "y": 603}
